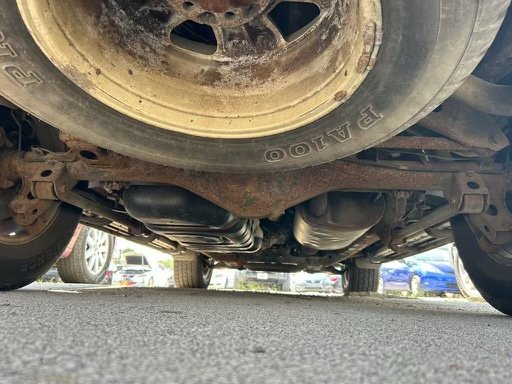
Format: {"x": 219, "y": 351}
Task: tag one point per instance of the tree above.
{"x": 167, "y": 263}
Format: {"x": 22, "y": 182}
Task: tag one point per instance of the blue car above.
{"x": 430, "y": 272}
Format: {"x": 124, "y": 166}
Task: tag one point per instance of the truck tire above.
{"x": 428, "y": 49}
{"x": 193, "y": 272}
{"x": 491, "y": 272}
{"x": 362, "y": 279}
{"x": 22, "y": 264}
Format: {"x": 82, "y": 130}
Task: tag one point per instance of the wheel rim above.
{"x": 465, "y": 283}
{"x": 415, "y": 285}
{"x": 380, "y": 288}
{"x": 15, "y": 235}
{"x": 97, "y": 247}
{"x": 345, "y": 282}
{"x": 207, "y": 269}
{"x": 246, "y": 70}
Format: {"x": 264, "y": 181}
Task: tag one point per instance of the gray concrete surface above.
{"x": 65, "y": 334}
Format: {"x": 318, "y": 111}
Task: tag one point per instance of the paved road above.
{"x": 63, "y": 334}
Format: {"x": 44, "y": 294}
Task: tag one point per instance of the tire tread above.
{"x": 487, "y": 24}
{"x": 68, "y": 220}
{"x": 189, "y": 274}
{"x": 362, "y": 279}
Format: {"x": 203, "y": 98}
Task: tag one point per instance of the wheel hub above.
{"x": 212, "y": 68}
{"x": 220, "y": 13}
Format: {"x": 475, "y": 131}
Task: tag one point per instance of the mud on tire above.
{"x": 428, "y": 49}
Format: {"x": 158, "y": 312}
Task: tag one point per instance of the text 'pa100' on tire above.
{"x": 263, "y": 91}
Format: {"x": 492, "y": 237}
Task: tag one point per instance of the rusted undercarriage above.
{"x": 262, "y": 195}
{"x": 387, "y": 202}
{"x": 95, "y": 179}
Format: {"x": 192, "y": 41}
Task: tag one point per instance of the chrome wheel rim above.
{"x": 207, "y": 269}
{"x": 465, "y": 283}
{"x": 97, "y": 247}
{"x": 415, "y": 285}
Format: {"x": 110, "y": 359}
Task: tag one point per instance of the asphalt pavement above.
{"x": 63, "y": 334}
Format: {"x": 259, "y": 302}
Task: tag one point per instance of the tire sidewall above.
{"x": 492, "y": 279}
{"x": 23, "y": 264}
{"x": 205, "y": 278}
{"x": 399, "y": 87}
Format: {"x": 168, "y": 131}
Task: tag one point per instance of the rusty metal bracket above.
{"x": 26, "y": 208}
{"x": 38, "y": 154}
{"x": 469, "y": 195}
{"x": 52, "y": 181}
{"x": 39, "y": 192}
{"x": 468, "y": 127}
{"x": 495, "y": 223}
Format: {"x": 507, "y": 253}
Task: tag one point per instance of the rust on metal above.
{"x": 370, "y": 40}
{"x": 245, "y": 195}
{"x": 224, "y": 5}
{"x": 26, "y": 208}
{"x": 425, "y": 143}
{"x": 468, "y": 127}
{"x": 249, "y": 69}
{"x": 496, "y": 222}
{"x": 340, "y": 96}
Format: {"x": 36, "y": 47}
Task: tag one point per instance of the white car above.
{"x": 134, "y": 276}
{"x": 222, "y": 279}
{"x": 162, "y": 277}
{"x": 143, "y": 276}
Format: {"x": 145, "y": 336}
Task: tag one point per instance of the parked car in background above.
{"x": 195, "y": 127}
{"x": 109, "y": 276}
{"x": 138, "y": 271}
{"x": 466, "y": 286}
{"x": 430, "y": 272}
{"x": 138, "y": 276}
{"x": 339, "y": 283}
{"x": 86, "y": 258}
{"x": 222, "y": 279}
{"x": 279, "y": 280}
{"x": 312, "y": 282}
{"x": 162, "y": 277}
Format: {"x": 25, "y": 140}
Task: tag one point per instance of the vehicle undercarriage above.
{"x": 388, "y": 202}
{"x": 405, "y": 193}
